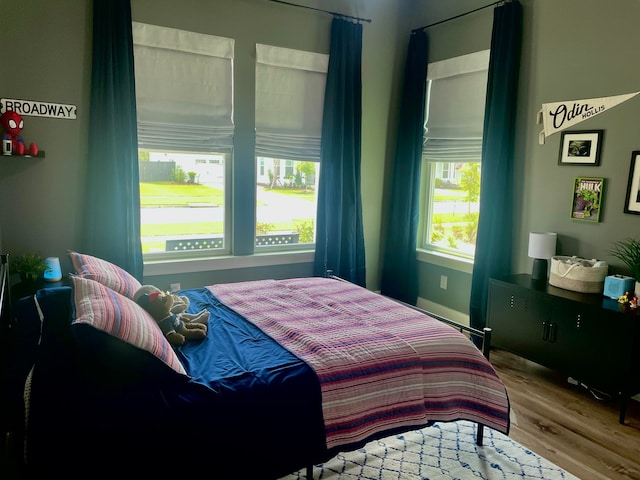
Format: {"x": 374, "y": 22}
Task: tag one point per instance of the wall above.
{"x": 576, "y": 49}
{"x": 571, "y": 50}
{"x": 47, "y": 46}
{"x": 47, "y": 57}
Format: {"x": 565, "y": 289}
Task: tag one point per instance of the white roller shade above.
{"x": 454, "y": 112}
{"x": 290, "y": 88}
{"x": 184, "y": 89}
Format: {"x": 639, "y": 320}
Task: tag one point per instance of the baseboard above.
{"x": 443, "y": 311}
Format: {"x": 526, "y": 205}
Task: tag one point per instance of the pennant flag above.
{"x": 560, "y": 115}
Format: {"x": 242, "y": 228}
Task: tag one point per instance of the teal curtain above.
{"x": 112, "y": 191}
{"x": 399, "y": 271}
{"x": 339, "y": 233}
{"x": 495, "y": 226}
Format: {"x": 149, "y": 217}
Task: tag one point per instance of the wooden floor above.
{"x": 567, "y": 425}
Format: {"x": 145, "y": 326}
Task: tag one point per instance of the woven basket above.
{"x": 578, "y": 274}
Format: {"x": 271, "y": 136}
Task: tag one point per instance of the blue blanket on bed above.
{"x": 250, "y": 408}
{"x": 237, "y": 356}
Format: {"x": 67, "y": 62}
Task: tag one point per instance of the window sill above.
{"x": 445, "y": 260}
{"x": 191, "y": 265}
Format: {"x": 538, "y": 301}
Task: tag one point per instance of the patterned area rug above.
{"x": 443, "y": 451}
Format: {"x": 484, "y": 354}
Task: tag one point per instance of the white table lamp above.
{"x": 542, "y": 246}
{"x": 53, "y": 272}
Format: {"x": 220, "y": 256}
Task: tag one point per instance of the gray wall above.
{"x": 576, "y": 49}
{"x": 572, "y": 49}
{"x": 47, "y": 58}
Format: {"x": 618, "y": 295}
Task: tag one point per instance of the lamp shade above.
{"x": 53, "y": 272}
{"x": 542, "y": 244}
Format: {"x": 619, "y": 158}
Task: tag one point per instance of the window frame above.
{"x": 427, "y": 195}
{"x": 239, "y": 208}
{"x": 291, "y": 247}
{"x": 179, "y": 114}
{"x": 289, "y": 131}
{"x": 161, "y": 256}
{"x": 427, "y": 251}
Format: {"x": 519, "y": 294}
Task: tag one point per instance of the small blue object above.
{"x": 617, "y": 285}
{"x": 53, "y": 272}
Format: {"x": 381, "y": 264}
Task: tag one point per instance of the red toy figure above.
{"x": 12, "y": 124}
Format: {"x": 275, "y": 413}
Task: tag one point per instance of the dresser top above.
{"x": 524, "y": 280}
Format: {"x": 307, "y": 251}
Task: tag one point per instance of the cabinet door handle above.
{"x": 545, "y": 330}
{"x": 552, "y": 333}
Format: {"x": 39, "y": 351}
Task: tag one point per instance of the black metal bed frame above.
{"x": 6, "y": 321}
{"x": 5, "y": 292}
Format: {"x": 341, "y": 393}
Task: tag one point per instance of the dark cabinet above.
{"x": 517, "y": 320}
{"x": 590, "y": 338}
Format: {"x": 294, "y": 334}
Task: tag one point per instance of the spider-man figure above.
{"x": 12, "y": 124}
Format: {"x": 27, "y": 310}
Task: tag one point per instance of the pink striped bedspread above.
{"x": 380, "y": 364}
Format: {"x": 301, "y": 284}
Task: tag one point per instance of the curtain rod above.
{"x": 458, "y": 16}
{"x": 368, "y": 20}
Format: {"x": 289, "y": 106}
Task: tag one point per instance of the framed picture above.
{"x": 580, "y": 148}
{"x": 632, "y": 203}
{"x": 586, "y": 198}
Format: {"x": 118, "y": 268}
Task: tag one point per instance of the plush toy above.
{"x": 159, "y": 304}
{"x": 624, "y": 299}
{"x": 12, "y": 124}
{"x": 180, "y": 305}
{"x": 629, "y": 300}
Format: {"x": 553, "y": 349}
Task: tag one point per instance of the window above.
{"x": 184, "y": 100}
{"x": 289, "y": 103}
{"x": 452, "y": 151}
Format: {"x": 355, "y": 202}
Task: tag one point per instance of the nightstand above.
{"x": 586, "y": 336}
{"x": 19, "y": 349}
{"x": 21, "y": 290}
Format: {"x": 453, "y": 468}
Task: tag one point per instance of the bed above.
{"x": 291, "y": 372}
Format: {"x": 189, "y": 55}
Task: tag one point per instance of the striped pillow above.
{"x": 104, "y": 272}
{"x": 122, "y": 318}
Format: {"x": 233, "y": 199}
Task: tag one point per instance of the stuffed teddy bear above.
{"x": 180, "y": 305}
{"x": 159, "y": 304}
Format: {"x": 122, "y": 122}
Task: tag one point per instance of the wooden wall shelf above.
{"x": 39, "y": 155}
